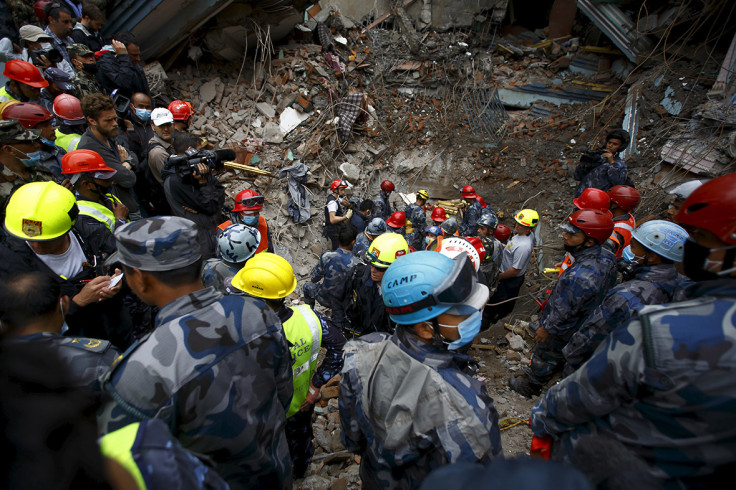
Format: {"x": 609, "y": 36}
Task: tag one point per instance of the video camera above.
{"x": 186, "y": 165}
{"x": 51, "y": 54}
{"x": 592, "y": 156}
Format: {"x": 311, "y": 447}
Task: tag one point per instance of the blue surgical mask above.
{"x": 629, "y": 256}
{"x": 467, "y": 329}
{"x": 48, "y": 142}
{"x": 249, "y": 220}
{"x": 143, "y": 114}
{"x": 31, "y": 159}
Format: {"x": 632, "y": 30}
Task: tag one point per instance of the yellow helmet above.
{"x": 527, "y": 217}
{"x": 422, "y": 194}
{"x": 40, "y": 211}
{"x": 267, "y": 276}
{"x": 385, "y": 249}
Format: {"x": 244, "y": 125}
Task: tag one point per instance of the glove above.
{"x": 349, "y": 214}
{"x": 541, "y": 447}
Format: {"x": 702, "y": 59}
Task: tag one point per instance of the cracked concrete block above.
{"x": 350, "y": 172}
{"x": 207, "y": 92}
{"x": 266, "y": 109}
{"x": 272, "y": 133}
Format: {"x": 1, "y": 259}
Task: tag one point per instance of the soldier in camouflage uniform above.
{"x": 576, "y": 294}
{"x": 235, "y": 245}
{"x": 375, "y": 227}
{"x": 405, "y": 405}
{"x": 216, "y": 368}
{"x": 416, "y": 214}
{"x": 381, "y": 204}
{"x": 83, "y": 60}
{"x": 32, "y": 311}
{"x": 655, "y": 246}
{"x": 665, "y": 384}
{"x": 332, "y": 269}
{"x": 471, "y": 214}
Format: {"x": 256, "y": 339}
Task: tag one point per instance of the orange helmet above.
{"x": 181, "y": 110}
{"x": 25, "y": 73}
{"x": 438, "y": 214}
{"x": 80, "y": 161}
{"x": 396, "y": 220}
{"x": 248, "y": 200}
{"x": 69, "y": 108}
{"x": 29, "y": 115}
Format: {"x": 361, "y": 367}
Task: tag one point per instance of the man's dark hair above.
{"x": 126, "y": 37}
{"x": 276, "y": 304}
{"x": 184, "y": 141}
{"x": 94, "y": 104}
{"x": 177, "y": 277}
{"x": 366, "y": 205}
{"x": 27, "y": 296}
{"x": 54, "y": 10}
{"x": 93, "y": 12}
{"x": 346, "y": 234}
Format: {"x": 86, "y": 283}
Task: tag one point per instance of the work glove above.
{"x": 349, "y": 214}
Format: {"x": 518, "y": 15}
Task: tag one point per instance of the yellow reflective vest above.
{"x": 304, "y": 332}
{"x": 100, "y": 212}
{"x": 67, "y": 141}
{"x": 5, "y": 96}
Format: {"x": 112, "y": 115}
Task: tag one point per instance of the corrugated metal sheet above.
{"x": 631, "y": 118}
{"x": 524, "y": 96}
{"x": 617, "y": 26}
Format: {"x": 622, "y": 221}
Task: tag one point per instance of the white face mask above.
{"x": 46, "y": 45}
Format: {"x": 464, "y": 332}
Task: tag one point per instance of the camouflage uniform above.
{"x": 332, "y": 269}
{"x": 651, "y": 286}
{"x": 217, "y": 273}
{"x": 85, "y": 84}
{"x": 85, "y": 359}
{"x": 444, "y": 417}
{"x": 577, "y": 292}
{"x": 418, "y": 218}
{"x": 381, "y": 207}
{"x": 469, "y": 225}
{"x": 216, "y": 368}
{"x": 664, "y": 386}
{"x": 602, "y": 175}
{"x": 362, "y": 244}
{"x": 363, "y": 302}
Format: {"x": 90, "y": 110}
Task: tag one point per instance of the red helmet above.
{"x": 468, "y": 192}
{"x": 396, "y": 220}
{"x": 78, "y": 161}
{"x": 29, "y": 115}
{"x": 478, "y": 244}
{"x": 712, "y": 206}
{"x": 181, "y": 110}
{"x": 337, "y": 183}
{"x": 595, "y": 224}
{"x": 248, "y": 200}
{"x": 25, "y": 73}
{"x": 625, "y": 197}
{"x": 593, "y": 198}
{"x": 502, "y": 233}
{"x": 40, "y": 9}
{"x": 438, "y": 214}
{"x": 387, "y": 186}
{"x": 68, "y": 108}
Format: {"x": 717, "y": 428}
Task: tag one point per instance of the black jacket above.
{"x": 364, "y": 304}
{"x": 117, "y": 72}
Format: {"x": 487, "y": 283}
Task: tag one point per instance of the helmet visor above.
{"x": 250, "y": 202}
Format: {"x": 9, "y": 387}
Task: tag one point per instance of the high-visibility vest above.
{"x": 5, "y": 96}
{"x": 68, "y": 142}
{"x": 566, "y": 262}
{"x": 99, "y": 212}
{"x": 304, "y": 331}
{"x": 621, "y": 235}
{"x": 262, "y": 228}
{"x": 117, "y": 445}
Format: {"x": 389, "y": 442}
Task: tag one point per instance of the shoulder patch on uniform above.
{"x": 92, "y": 345}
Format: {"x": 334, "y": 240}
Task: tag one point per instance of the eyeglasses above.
{"x": 455, "y": 289}
{"x": 252, "y": 201}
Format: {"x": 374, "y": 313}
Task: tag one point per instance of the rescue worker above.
{"x": 381, "y": 204}
{"x": 679, "y": 194}
{"x": 34, "y": 116}
{"x": 40, "y": 237}
{"x": 450, "y": 227}
{"x": 655, "y": 247}
{"x": 161, "y": 141}
{"x": 99, "y": 211}
{"x": 335, "y": 212}
{"x": 33, "y": 311}
{"x": 471, "y": 214}
{"x": 416, "y": 214}
{"x": 624, "y": 200}
{"x": 59, "y": 83}
{"x": 396, "y": 223}
{"x": 403, "y": 396}
{"x": 72, "y": 123}
{"x": 182, "y": 112}
{"x": 247, "y": 211}
{"x": 514, "y": 261}
{"x": 20, "y": 154}
{"x": 84, "y": 62}
{"x": 24, "y": 84}
{"x": 576, "y": 294}
{"x": 375, "y": 227}
{"x": 502, "y": 233}
{"x": 361, "y": 214}
{"x": 602, "y": 168}
{"x": 235, "y": 245}
{"x": 664, "y": 385}
{"x": 362, "y": 294}
{"x": 58, "y": 29}
{"x": 432, "y": 238}
{"x": 332, "y": 270}
{"x": 438, "y": 215}
{"x": 490, "y": 266}
{"x": 271, "y": 278}
{"x": 195, "y": 384}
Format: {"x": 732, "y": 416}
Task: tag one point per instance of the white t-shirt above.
{"x": 67, "y": 264}
{"x": 332, "y": 206}
{"x": 517, "y": 253}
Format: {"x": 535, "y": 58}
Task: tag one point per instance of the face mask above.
{"x": 426, "y": 242}
{"x": 467, "y": 329}
{"x": 90, "y": 68}
{"x": 698, "y": 267}
{"x": 46, "y": 46}
{"x": 249, "y": 220}
{"x": 143, "y": 114}
{"x": 629, "y": 256}
{"x": 31, "y": 159}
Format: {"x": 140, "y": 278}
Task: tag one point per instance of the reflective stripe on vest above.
{"x": 566, "y": 262}
{"x": 68, "y": 142}
{"x": 5, "y": 96}
{"x": 98, "y": 212}
{"x": 263, "y": 229}
{"x": 118, "y": 446}
{"x": 623, "y": 229}
{"x": 304, "y": 332}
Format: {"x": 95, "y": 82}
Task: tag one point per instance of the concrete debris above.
{"x": 672, "y": 105}
{"x": 619, "y": 28}
{"x": 272, "y": 133}
{"x": 350, "y": 172}
{"x": 515, "y": 342}
{"x": 291, "y": 118}
{"x": 208, "y": 92}
{"x": 266, "y": 109}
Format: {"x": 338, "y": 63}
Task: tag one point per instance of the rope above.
{"x": 507, "y": 420}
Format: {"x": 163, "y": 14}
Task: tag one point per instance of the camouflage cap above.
{"x": 11, "y": 130}
{"x": 78, "y": 49}
{"x": 157, "y": 244}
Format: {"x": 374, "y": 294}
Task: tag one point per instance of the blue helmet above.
{"x": 422, "y": 285}
{"x": 376, "y": 227}
{"x": 488, "y": 219}
{"x": 238, "y": 243}
{"x": 663, "y": 238}
{"x": 434, "y": 230}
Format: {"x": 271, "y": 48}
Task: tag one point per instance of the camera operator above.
{"x": 193, "y": 192}
{"x": 35, "y": 47}
{"x": 602, "y": 168}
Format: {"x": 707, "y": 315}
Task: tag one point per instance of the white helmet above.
{"x": 238, "y": 243}
{"x": 455, "y": 245}
{"x": 683, "y": 191}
